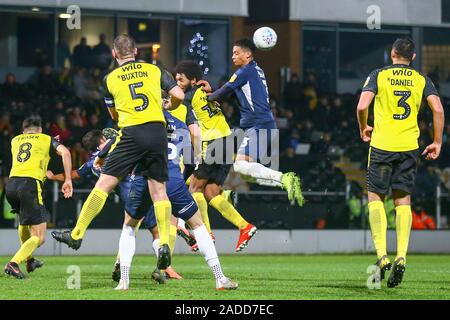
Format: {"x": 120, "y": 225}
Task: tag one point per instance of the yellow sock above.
{"x": 203, "y": 207}
{"x": 24, "y": 235}
{"x": 172, "y": 237}
{"x": 26, "y": 250}
{"x": 378, "y": 226}
{"x": 403, "y": 222}
{"x": 228, "y": 211}
{"x": 91, "y": 208}
{"x": 163, "y": 210}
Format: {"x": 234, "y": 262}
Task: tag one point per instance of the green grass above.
{"x": 259, "y": 277}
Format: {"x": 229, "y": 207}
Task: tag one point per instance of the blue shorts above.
{"x": 260, "y": 142}
{"x": 138, "y": 203}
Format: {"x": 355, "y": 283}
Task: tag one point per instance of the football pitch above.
{"x": 268, "y": 277}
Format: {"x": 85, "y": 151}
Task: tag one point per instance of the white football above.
{"x": 265, "y": 38}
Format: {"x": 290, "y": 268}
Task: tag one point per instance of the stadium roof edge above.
{"x": 391, "y": 12}
{"x": 198, "y": 7}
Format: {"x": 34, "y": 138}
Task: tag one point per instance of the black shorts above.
{"x": 396, "y": 170}
{"x": 217, "y": 160}
{"x": 144, "y": 144}
{"x": 25, "y": 197}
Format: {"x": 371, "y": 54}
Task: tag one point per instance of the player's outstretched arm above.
{"x": 362, "y": 112}
{"x": 67, "y": 188}
{"x": 61, "y": 177}
{"x": 220, "y": 93}
{"x": 433, "y": 150}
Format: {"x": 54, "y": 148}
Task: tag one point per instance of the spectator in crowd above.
{"x": 102, "y": 55}
{"x": 288, "y": 161}
{"x": 82, "y": 54}
{"x": 62, "y": 54}
{"x": 47, "y": 84}
{"x": 444, "y": 159}
{"x": 6, "y": 128}
{"x": 10, "y": 90}
{"x": 65, "y": 81}
{"x": 93, "y": 122}
{"x": 77, "y": 123}
{"x": 426, "y": 181}
{"x": 59, "y": 129}
{"x": 293, "y": 92}
{"x": 421, "y": 220}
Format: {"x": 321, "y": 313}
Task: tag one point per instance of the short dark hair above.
{"x": 165, "y": 95}
{"x": 404, "y": 47}
{"x": 124, "y": 45}
{"x": 190, "y": 69}
{"x": 91, "y": 140}
{"x": 246, "y": 44}
{"x": 32, "y": 121}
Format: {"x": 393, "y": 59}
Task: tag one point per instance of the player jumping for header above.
{"x": 260, "y": 130}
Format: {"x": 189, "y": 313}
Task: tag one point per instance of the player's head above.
{"x": 93, "y": 139}
{"x": 124, "y": 47}
{"x": 32, "y": 124}
{"x": 243, "y": 50}
{"x": 187, "y": 74}
{"x": 166, "y": 99}
{"x": 403, "y": 49}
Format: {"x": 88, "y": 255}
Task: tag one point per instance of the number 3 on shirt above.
{"x": 403, "y": 104}
{"x": 136, "y": 95}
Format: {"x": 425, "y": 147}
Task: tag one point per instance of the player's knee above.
{"x": 195, "y": 188}
{"x": 195, "y": 221}
{"x": 158, "y": 194}
{"x": 106, "y": 183}
{"x": 41, "y": 240}
{"x": 211, "y": 191}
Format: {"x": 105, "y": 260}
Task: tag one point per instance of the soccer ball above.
{"x": 265, "y": 38}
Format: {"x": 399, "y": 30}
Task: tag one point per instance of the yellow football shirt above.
{"x": 31, "y": 155}
{"x": 399, "y": 90}
{"x": 134, "y": 89}
{"x": 180, "y": 113}
{"x": 210, "y": 118}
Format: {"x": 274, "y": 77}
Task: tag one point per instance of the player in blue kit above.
{"x": 139, "y": 205}
{"x": 183, "y": 206}
{"x": 128, "y": 190}
{"x": 259, "y": 145}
